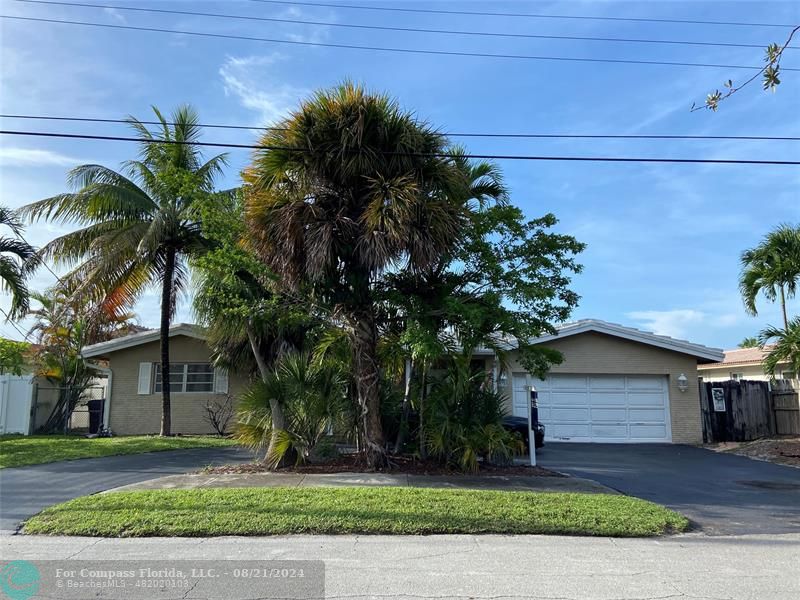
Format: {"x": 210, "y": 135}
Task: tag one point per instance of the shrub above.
{"x": 463, "y": 420}
{"x": 313, "y": 398}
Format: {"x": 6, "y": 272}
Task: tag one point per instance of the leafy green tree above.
{"x": 749, "y": 342}
{"x": 137, "y": 229}
{"x": 250, "y": 323}
{"x": 350, "y": 187}
{"x": 508, "y": 278}
{"x": 16, "y": 261}
{"x": 785, "y": 348}
{"x": 65, "y": 322}
{"x": 14, "y": 356}
{"x": 772, "y": 268}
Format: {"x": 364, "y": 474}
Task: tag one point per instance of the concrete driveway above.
{"x": 723, "y": 494}
{"x": 24, "y": 491}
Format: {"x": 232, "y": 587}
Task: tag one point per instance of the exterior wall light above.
{"x": 683, "y": 382}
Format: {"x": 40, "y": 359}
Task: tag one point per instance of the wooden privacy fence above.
{"x": 786, "y": 406}
{"x": 739, "y": 411}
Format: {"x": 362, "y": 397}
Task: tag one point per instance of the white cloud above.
{"x": 26, "y": 157}
{"x": 674, "y": 323}
{"x": 248, "y": 78}
{"x": 117, "y": 15}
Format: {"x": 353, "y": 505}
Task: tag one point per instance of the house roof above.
{"x": 741, "y": 357}
{"x": 704, "y": 353}
{"x": 144, "y": 337}
{"x": 567, "y": 329}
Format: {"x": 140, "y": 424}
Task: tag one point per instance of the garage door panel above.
{"x": 646, "y": 415}
{"x": 644, "y": 382}
{"x": 572, "y": 431}
{"x": 569, "y": 398}
{"x": 607, "y": 382}
{"x": 558, "y": 413}
{"x": 567, "y": 382}
{"x": 608, "y": 398}
{"x": 646, "y": 399}
{"x": 615, "y": 415}
{"x": 648, "y": 432}
{"x": 619, "y": 432}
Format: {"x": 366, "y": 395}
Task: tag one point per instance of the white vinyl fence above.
{"x": 16, "y": 397}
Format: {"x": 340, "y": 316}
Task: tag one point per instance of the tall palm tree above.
{"x": 138, "y": 228}
{"x": 772, "y": 268}
{"x": 784, "y": 348}
{"x": 350, "y": 187}
{"x": 15, "y": 262}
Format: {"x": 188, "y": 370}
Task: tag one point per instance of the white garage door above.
{"x": 599, "y": 408}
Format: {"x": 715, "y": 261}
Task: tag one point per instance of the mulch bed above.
{"x": 352, "y": 463}
{"x": 785, "y": 451}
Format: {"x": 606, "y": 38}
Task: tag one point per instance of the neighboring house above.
{"x": 616, "y": 384}
{"x": 133, "y": 398}
{"x": 743, "y": 363}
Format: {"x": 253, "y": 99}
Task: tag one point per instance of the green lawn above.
{"x": 374, "y": 510}
{"x": 19, "y": 450}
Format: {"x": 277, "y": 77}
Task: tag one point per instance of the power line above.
{"x": 446, "y": 134}
{"x": 518, "y": 15}
{"x": 383, "y": 48}
{"x": 392, "y": 28}
{"x": 14, "y": 325}
{"x": 49, "y": 134}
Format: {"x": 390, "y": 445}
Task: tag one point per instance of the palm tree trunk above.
{"x": 783, "y": 308}
{"x": 166, "y": 315}
{"x": 401, "y": 431}
{"x": 367, "y": 376}
{"x": 423, "y": 450}
{"x": 275, "y": 409}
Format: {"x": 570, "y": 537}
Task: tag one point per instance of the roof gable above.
{"x": 145, "y": 337}
{"x": 636, "y": 335}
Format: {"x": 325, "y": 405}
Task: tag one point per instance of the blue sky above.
{"x": 663, "y": 239}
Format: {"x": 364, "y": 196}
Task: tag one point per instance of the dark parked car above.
{"x": 520, "y": 425}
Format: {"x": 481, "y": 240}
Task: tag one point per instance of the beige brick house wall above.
{"x": 594, "y": 353}
{"x": 133, "y": 414}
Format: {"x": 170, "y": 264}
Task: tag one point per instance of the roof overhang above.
{"x": 145, "y": 337}
{"x": 703, "y": 353}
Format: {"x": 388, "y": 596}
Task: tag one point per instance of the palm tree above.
{"x": 349, "y": 187}
{"x": 15, "y": 263}
{"x": 137, "y": 229}
{"x": 786, "y": 348}
{"x": 772, "y": 268}
{"x": 749, "y": 342}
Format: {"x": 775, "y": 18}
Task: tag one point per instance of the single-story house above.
{"x": 133, "y": 391}
{"x": 743, "y": 363}
{"x": 616, "y": 384}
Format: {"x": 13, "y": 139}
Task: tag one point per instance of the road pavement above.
{"x": 481, "y": 567}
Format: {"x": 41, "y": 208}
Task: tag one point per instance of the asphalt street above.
{"x": 25, "y": 491}
{"x": 482, "y": 567}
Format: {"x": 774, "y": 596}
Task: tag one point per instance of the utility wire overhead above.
{"x": 518, "y": 15}
{"x": 50, "y": 134}
{"x": 392, "y": 28}
{"x": 384, "y": 48}
{"x": 447, "y": 134}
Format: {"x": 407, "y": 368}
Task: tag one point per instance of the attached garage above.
{"x": 616, "y": 385}
{"x": 599, "y": 408}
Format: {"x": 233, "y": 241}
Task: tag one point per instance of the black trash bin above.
{"x": 95, "y": 408}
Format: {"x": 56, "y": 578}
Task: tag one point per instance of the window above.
{"x": 789, "y": 375}
{"x": 187, "y": 377}
{"x": 737, "y": 376}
